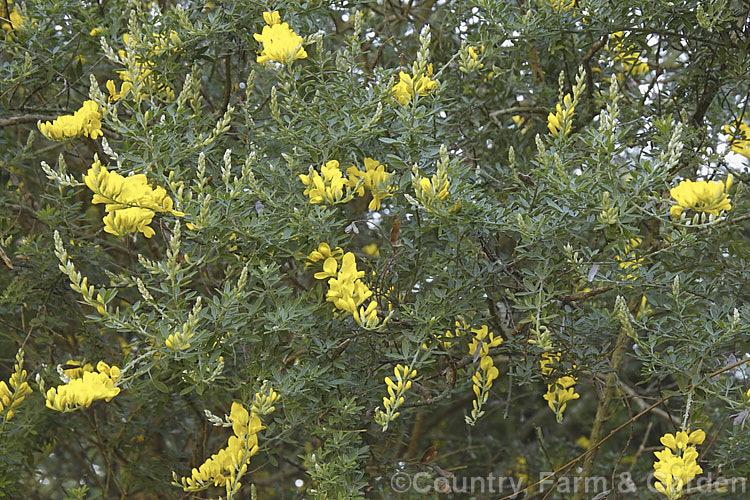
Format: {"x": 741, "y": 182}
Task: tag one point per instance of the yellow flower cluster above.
{"x": 130, "y": 202}
{"x": 177, "y": 342}
{"x": 630, "y": 261}
{"x": 10, "y": 18}
{"x": 677, "y": 465}
{"x": 326, "y": 186}
{"x": 484, "y": 377}
{"x": 83, "y": 390}
{"x": 264, "y": 401}
{"x": 13, "y": 393}
{"x": 562, "y": 391}
{"x": 628, "y": 57}
{"x": 346, "y": 290}
{"x": 469, "y": 59}
{"x": 229, "y": 463}
{"x": 330, "y": 186}
{"x": 560, "y": 122}
{"x": 144, "y": 74}
{"x": 433, "y": 193}
{"x": 396, "y": 390}
{"x": 86, "y": 121}
{"x": 408, "y": 87}
{"x": 114, "y": 95}
{"x": 701, "y": 196}
{"x": 739, "y": 137}
{"x": 563, "y": 5}
{"x": 373, "y": 178}
{"x": 280, "y": 42}
{"x": 75, "y": 369}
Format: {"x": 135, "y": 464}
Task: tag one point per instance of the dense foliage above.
{"x": 374, "y": 249}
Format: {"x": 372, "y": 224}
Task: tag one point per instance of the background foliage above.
{"x": 531, "y": 241}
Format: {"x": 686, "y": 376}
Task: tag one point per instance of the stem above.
{"x": 610, "y": 391}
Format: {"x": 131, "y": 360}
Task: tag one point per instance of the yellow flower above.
{"x": 739, "y": 137}
{"x": 15, "y": 391}
{"x": 85, "y": 121}
{"x": 396, "y": 390}
{"x": 130, "y": 202}
{"x": 346, "y": 291}
{"x": 374, "y": 178}
{"x": 75, "y": 369}
{"x": 272, "y": 18}
{"x": 324, "y": 252}
{"x": 371, "y": 249}
{"x": 630, "y": 261}
{"x": 10, "y": 18}
{"x": 701, "y": 196}
{"x": 630, "y": 59}
{"x": 482, "y": 383}
{"x": 280, "y": 42}
{"x": 483, "y": 340}
{"x": 142, "y": 70}
{"x": 231, "y": 462}
{"x": 560, "y": 122}
{"x": 408, "y": 87}
{"x": 81, "y": 391}
{"x": 326, "y": 186}
{"x": 562, "y": 391}
{"x": 114, "y": 96}
{"x": 95, "y": 32}
{"x": 676, "y": 465}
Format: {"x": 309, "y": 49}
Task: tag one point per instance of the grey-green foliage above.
{"x": 539, "y": 237}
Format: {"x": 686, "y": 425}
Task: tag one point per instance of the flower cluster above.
{"x": 86, "y": 121}
{"x": 330, "y": 186}
{"x": 480, "y": 347}
{"x": 560, "y": 122}
{"x": 130, "y": 202}
{"x": 409, "y": 87}
{"x": 280, "y": 42}
{"x": 225, "y": 467}
{"x": 561, "y": 391}
{"x": 701, "y": 196}
{"x": 739, "y": 137}
{"x": 461, "y": 327}
{"x": 74, "y": 369}
{"x": 326, "y": 186}
{"x": 10, "y": 18}
{"x": 433, "y": 193}
{"x": 114, "y": 95}
{"x": 628, "y": 57}
{"x": 264, "y": 401}
{"x": 142, "y": 73}
{"x": 374, "y": 179}
{"x": 13, "y": 393}
{"x": 677, "y": 465}
{"x": 396, "y": 390}
{"x": 346, "y": 290}
{"x": 84, "y": 389}
{"x": 469, "y": 59}
{"x": 629, "y": 262}
{"x": 563, "y": 5}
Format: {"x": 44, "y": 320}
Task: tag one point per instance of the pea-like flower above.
{"x": 229, "y": 463}
{"x": 739, "y": 137}
{"x": 280, "y": 42}
{"x": 81, "y": 391}
{"x": 86, "y": 121}
{"x": 130, "y": 202}
{"x": 701, "y": 196}
{"x": 408, "y": 86}
{"x": 677, "y": 462}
